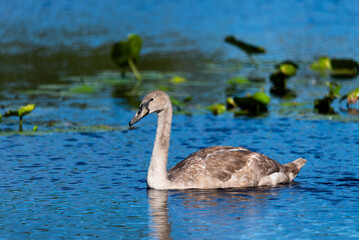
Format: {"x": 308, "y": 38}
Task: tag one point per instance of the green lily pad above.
{"x": 289, "y": 68}
{"x": 217, "y": 109}
{"x": 127, "y": 53}
{"x": 322, "y": 64}
{"x": 84, "y": 89}
{"x": 124, "y": 50}
{"x": 26, "y": 110}
{"x": 178, "y": 80}
{"x": 250, "y": 105}
{"x": 238, "y": 81}
{"x": 22, "y": 111}
{"x": 134, "y": 47}
{"x": 261, "y": 97}
{"x": 255, "y": 104}
{"x": 338, "y": 68}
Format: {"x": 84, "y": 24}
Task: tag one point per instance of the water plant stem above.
{"x": 253, "y": 60}
{"x": 20, "y": 124}
{"x": 134, "y": 70}
{"x": 137, "y": 75}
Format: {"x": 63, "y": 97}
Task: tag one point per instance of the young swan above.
{"x": 212, "y": 167}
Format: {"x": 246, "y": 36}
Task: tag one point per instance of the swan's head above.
{"x": 155, "y": 101}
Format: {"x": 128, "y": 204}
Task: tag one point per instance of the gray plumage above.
{"x": 212, "y": 167}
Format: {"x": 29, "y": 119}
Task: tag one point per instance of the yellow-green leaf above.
{"x": 217, "y": 108}
{"x": 352, "y": 96}
{"x": 26, "y": 109}
{"x": 288, "y": 69}
{"x": 261, "y": 97}
{"x": 323, "y": 63}
{"x": 84, "y": 89}
{"x": 230, "y": 103}
{"x": 177, "y": 80}
{"x": 238, "y": 80}
{"x": 134, "y": 46}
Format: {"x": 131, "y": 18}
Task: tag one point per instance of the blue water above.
{"x": 298, "y": 30}
{"x": 83, "y": 174}
{"x": 88, "y": 185}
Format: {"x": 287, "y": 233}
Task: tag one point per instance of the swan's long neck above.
{"x": 157, "y": 172}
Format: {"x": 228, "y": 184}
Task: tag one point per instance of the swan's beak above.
{"x": 139, "y": 115}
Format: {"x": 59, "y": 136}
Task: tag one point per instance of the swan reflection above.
{"x": 217, "y": 206}
{"x": 160, "y": 227}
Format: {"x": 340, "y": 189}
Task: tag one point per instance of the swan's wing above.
{"x": 221, "y": 162}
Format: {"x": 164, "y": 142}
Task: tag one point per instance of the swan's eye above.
{"x": 152, "y": 99}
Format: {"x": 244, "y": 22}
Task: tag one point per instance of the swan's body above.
{"x": 212, "y": 167}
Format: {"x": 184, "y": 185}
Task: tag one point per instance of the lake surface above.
{"x": 82, "y": 175}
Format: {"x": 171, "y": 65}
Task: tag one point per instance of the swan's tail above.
{"x": 292, "y": 169}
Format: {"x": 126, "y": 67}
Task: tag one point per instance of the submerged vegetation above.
{"x": 239, "y": 94}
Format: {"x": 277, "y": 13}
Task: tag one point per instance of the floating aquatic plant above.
{"x": 284, "y": 70}
{"x": 177, "y": 80}
{"x": 249, "y": 49}
{"x": 323, "y": 105}
{"x": 217, "y": 109}
{"x": 180, "y": 104}
{"x": 322, "y": 64}
{"x": 238, "y": 81}
{"x": 336, "y": 67}
{"x": 251, "y": 104}
{"x": 21, "y": 112}
{"x": 126, "y": 54}
{"x": 235, "y": 83}
{"x": 352, "y": 97}
{"x": 288, "y": 67}
{"x": 230, "y": 103}
{"x": 84, "y": 89}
